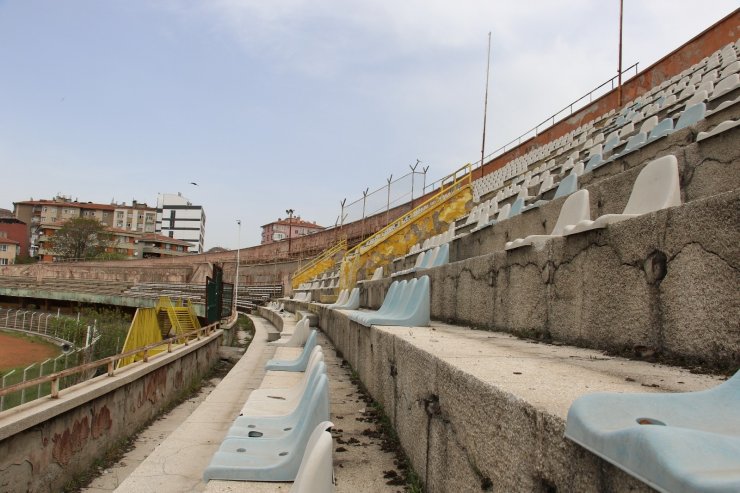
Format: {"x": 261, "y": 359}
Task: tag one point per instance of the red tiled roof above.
{"x": 296, "y": 223}
{"x": 164, "y": 239}
{"x": 79, "y": 205}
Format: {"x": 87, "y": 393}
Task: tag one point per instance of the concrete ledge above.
{"x": 313, "y": 319}
{"x": 43, "y": 444}
{"x": 477, "y": 410}
{"x": 274, "y": 329}
{"x": 707, "y": 169}
{"x": 177, "y": 464}
{"x": 663, "y": 284}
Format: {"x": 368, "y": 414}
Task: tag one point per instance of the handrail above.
{"x": 110, "y": 361}
{"x": 551, "y": 119}
{"x": 455, "y": 179}
{"x": 329, "y": 252}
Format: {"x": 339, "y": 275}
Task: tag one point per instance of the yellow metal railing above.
{"x": 380, "y": 248}
{"x": 450, "y": 183}
{"x": 321, "y": 263}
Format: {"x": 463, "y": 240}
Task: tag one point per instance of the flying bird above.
{"x": 193, "y": 183}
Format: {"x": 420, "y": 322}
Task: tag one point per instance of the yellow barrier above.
{"x": 432, "y": 217}
{"x": 146, "y": 327}
{"x": 320, "y": 264}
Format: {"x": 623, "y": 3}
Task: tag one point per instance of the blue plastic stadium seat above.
{"x": 594, "y": 162}
{"x": 408, "y": 305}
{"x": 567, "y": 186}
{"x": 680, "y": 443}
{"x": 665, "y": 127}
{"x": 247, "y": 459}
{"x": 691, "y": 115}
{"x": 310, "y": 410}
{"x": 316, "y": 473}
{"x": 298, "y": 364}
{"x": 576, "y": 208}
{"x": 633, "y": 143}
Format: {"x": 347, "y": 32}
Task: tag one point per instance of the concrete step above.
{"x": 475, "y": 408}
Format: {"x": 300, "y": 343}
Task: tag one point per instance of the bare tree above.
{"x": 80, "y": 238}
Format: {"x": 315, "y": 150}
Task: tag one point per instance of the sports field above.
{"x": 17, "y": 350}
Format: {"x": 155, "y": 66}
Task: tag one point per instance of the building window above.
{"x": 3, "y": 248}
{"x": 172, "y": 234}
{"x": 3, "y": 261}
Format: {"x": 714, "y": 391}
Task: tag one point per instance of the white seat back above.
{"x": 656, "y": 187}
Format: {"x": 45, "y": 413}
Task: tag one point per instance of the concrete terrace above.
{"x": 479, "y": 398}
{"x": 178, "y": 463}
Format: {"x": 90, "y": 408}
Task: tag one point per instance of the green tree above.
{"x": 79, "y": 238}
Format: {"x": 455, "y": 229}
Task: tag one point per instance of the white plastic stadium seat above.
{"x": 656, "y": 187}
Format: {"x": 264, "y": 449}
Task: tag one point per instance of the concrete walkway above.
{"x": 360, "y": 464}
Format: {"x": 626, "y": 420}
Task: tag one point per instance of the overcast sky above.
{"x": 276, "y": 104}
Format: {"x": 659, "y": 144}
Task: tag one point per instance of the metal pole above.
{"x": 485, "y": 106}
{"x": 619, "y": 68}
{"x": 289, "y": 212}
{"x": 364, "y": 200}
{"x": 236, "y": 281}
{"x": 342, "y": 216}
{"x": 388, "y": 205}
{"x": 413, "y": 173}
{"x": 424, "y": 188}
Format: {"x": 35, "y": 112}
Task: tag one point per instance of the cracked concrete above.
{"x": 663, "y": 284}
{"x": 485, "y": 411}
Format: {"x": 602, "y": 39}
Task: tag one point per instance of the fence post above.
{"x": 41, "y": 374}
{"x": 23, "y": 392}
{"x": 2, "y": 398}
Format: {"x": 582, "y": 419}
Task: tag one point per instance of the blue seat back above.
{"x": 567, "y": 186}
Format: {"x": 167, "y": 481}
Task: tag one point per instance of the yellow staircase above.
{"x": 152, "y": 325}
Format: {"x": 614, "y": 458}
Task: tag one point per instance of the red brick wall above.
{"x": 18, "y": 232}
{"x": 693, "y": 51}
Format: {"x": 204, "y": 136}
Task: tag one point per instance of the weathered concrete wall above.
{"x": 706, "y": 168}
{"x": 461, "y": 433}
{"x": 46, "y": 443}
{"x": 663, "y": 283}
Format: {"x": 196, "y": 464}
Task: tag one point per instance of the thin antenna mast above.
{"x": 485, "y": 106}
{"x": 619, "y": 68}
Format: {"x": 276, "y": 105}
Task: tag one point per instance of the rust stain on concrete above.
{"x": 101, "y": 422}
{"x": 155, "y": 384}
{"x": 71, "y": 441}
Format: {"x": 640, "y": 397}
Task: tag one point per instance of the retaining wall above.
{"x": 44, "y": 444}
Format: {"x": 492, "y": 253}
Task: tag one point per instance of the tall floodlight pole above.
{"x": 236, "y": 280}
{"x": 619, "y": 68}
{"x": 485, "y": 106}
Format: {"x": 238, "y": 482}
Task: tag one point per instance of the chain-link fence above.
{"x": 58, "y": 329}
{"x": 396, "y": 191}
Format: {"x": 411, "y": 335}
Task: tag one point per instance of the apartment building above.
{"x": 9, "y": 249}
{"x": 178, "y": 218}
{"x": 130, "y": 244}
{"x": 291, "y": 227}
{"x": 135, "y": 217}
{"x": 16, "y": 230}
{"x": 58, "y": 210}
